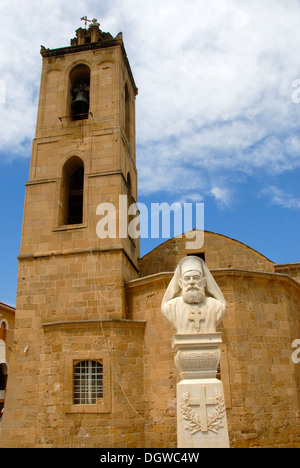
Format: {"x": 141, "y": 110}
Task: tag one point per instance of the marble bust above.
{"x": 193, "y": 302}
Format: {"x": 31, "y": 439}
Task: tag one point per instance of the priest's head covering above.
{"x": 192, "y": 263}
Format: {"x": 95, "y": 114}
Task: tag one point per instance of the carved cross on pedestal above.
{"x": 203, "y": 401}
{"x": 196, "y": 316}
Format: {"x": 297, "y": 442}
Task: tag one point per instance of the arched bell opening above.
{"x": 80, "y": 92}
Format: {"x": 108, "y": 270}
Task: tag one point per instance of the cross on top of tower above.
{"x": 86, "y": 20}
{"x": 88, "y": 36}
{"x": 91, "y": 34}
{"x": 93, "y": 22}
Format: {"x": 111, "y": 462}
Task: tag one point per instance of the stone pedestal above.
{"x": 201, "y": 412}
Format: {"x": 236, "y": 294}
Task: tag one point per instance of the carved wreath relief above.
{"x": 196, "y": 423}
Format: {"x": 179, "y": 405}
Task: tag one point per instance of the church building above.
{"x": 91, "y": 363}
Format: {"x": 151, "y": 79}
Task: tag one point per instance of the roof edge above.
{"x": 208, "y": 232}
{"x": 7, "y": 307}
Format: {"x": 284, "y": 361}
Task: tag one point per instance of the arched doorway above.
{"x": 3, "y": 381}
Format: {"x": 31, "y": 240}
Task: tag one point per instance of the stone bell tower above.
{"x": 73, "y": 341}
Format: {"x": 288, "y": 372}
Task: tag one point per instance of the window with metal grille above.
{"x": 88, "y": 382}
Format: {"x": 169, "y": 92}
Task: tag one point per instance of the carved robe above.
{"x": 194, "y": 318}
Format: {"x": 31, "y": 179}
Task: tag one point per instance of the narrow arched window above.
{"x": 71, "y": 192}
{"x": 130, "y": 199}
{"x": 75, "y": 201}
{"x": 3, "y": 376}
{"x": 127, "y": 111}
{"x": 3, "y": 331}
{"x": 80, "y": 92}
{"x": 88, "y": 382}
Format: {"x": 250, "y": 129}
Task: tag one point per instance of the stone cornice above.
{"x": 233, "y": 272}
{"x": 101, "y": 44}
{"x": 105, "y": 323}
{"x": 93, "y": 250}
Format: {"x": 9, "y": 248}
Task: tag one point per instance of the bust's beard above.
{"x": 194, "y": 296}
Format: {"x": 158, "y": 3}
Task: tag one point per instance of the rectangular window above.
{"x": 88, "y": 382}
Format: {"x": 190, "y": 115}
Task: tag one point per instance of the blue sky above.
{"x": 218, "y": 117}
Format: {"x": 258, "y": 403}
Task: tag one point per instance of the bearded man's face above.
{"x": 193, "y": 287}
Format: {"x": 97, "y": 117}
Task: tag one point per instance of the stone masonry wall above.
{"x": 262, "y": 383}
{"x": 62, "y": 302}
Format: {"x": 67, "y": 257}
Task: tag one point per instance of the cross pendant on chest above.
{"x": 196, "y": 316}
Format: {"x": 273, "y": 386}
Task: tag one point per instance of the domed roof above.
{"x": 218, "y": 251}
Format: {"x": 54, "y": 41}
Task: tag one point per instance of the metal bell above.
{"x": 80, "y": 105}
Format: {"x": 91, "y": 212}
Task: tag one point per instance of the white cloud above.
{"x": 222, "y": 195}
{"x": 280, "y": 198}
{"x": 47, "y": 22}
{"x": 215, "y": 83}
{"x": 221, "y": 100}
